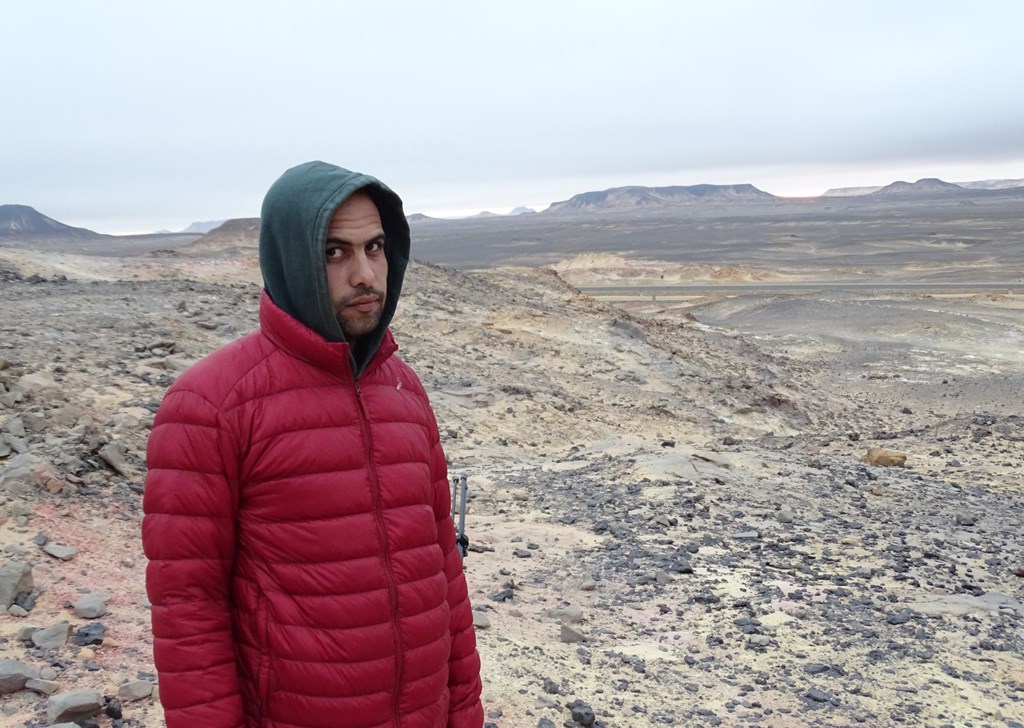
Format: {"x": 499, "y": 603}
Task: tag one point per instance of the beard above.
{"x": 355, "y": 323}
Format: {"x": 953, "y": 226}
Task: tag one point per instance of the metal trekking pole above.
{"x": 460, "y": 490}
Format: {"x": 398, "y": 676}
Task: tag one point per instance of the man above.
{"x": 303, "y": 567}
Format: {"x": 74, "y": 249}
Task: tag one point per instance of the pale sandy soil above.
{"x": 647, "y": 462}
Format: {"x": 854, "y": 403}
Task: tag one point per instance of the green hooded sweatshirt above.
{"x": 293, "y": 232}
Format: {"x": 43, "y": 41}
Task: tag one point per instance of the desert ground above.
{"x": 750, "y": 506}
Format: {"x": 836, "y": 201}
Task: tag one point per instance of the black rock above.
{"x": 113, "y": 708}
{"x": 901, "y": 617}
{"x": 815, "y": 668}
{"x": 818, "y": 696}
{"x": 582, "y": 713}
{"x": 26, "y": 600}
{"x": 90, "y": 634}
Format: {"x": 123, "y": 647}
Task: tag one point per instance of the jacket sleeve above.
{"x": 465, "y": 709}
{"x": 188, "y": 534}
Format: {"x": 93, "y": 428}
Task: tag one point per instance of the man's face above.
{"x": 357, "y": 270}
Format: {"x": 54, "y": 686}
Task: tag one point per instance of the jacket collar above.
{"x": 303, "y": 343}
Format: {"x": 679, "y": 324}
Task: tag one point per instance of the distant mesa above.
{"x": 851, "y": 191}
{"x": 523, "y": 211}
{"x": 22, "y": 221}
{"x": 926, "y": 186}
{"x": 419, "y": 217}
{"x": 993, "y": 184}
{"x": 929, "y": 186}
{"x": 624, "y": 198}
{"x": 486, "y": 213}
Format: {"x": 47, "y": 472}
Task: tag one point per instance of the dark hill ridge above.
{"x": 235, "y": 227}
{"x": 239, "y": 233}
{"x": 203, "y": 227}
{"x": 23, "y": 221}
{"x": 622, "y": 198}
{"x": 926, "y": 186}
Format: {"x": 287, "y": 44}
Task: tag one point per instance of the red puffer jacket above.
{"x": 303, "y": 568}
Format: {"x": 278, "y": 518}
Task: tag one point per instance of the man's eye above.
{"x": 375, "y": 247}
{"x": 333, "y": 253}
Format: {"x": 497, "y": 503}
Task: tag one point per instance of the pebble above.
{"x": 64, "y": 553}
{"x": 746, "y": 535}
{"x": 571, "y": 614}
{"x": 91, "y": 606}
{"x": 134, "y": 690}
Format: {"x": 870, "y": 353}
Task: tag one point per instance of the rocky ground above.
{"x": 672, "y": 523}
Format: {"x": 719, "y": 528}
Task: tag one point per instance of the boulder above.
{"x": 15, "y": 579}
{"x": 43, "y": 687}
{"x": 64, "y": 553}
{"x": 15, "y": 426}
{"x": 481, "y": 621}
{"x": 885, "y": 458}
{"x": 92, "y": 605}
{"x": 39, "y": 385}
{"x": 19, "y": 468}
{"x": 44, "y": 477}
{"x": 52, "y": 638}
{"x": 571, "y": 614}
{"x": 113, "y": 454}
{"x": 35, "y": 421}
{"x": 129, "y": 692}
{"x": 14, "y": 675}
{"x": 75, "y": 706}
{"x": 570, "y": 635}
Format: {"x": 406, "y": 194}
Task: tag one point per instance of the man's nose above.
{"x": 362, "y": 273}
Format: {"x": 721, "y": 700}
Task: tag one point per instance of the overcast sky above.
{"x": 136, "y": 116}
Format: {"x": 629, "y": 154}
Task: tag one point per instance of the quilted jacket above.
{"x": 303, "y": 569}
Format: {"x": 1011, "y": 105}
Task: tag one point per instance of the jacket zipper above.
{"x": 389, "y": 574}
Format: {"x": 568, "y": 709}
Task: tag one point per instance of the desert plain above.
{"x": 737, "y": 466}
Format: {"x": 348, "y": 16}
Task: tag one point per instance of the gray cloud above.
{"x": 159, "y": 115}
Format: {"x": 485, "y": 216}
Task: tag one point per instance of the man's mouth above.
{"x": 364, "y": 304}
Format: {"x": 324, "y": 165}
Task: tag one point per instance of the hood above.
{"x": 293, "y": 231}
